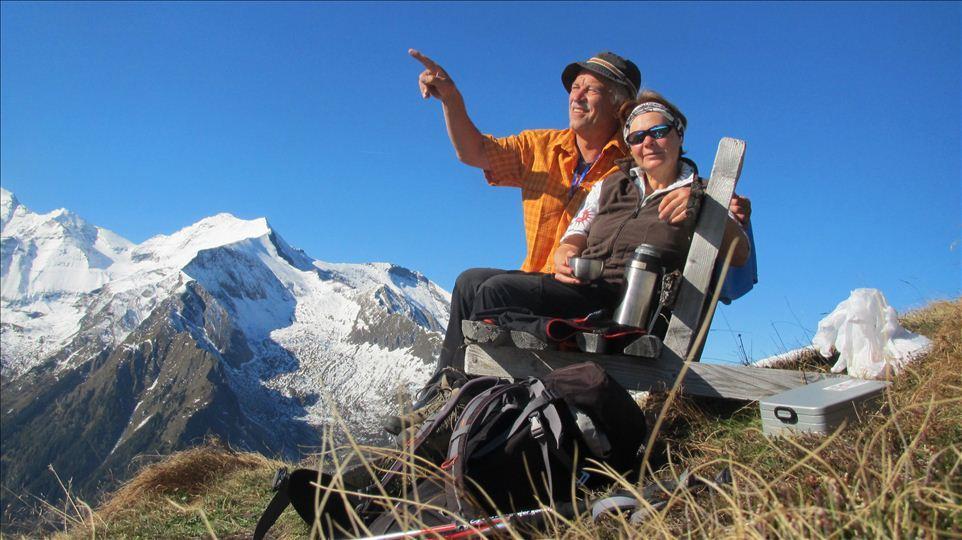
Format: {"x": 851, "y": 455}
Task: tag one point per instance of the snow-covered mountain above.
{"x": 221, "y": 328}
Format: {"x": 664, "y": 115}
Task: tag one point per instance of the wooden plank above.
{"x": 645, "y": 346}
{"x": 703, "y": 252}
{"x": 635, "y": 374}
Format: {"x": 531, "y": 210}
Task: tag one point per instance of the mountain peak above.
{"x": 8, "y": 205}
{"x": 59, "y": 222}
{"x": 209, "y": 233}
{"x": 6, "y": 195}
{"x": 53, "y": 254}
{"x": 227, "y": 228}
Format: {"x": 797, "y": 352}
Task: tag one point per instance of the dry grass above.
{"x": 897, "y": 474}
{"x": 205, "y": 492}
{"x": 185, "y": 474}
{"x": 804, "y": 359}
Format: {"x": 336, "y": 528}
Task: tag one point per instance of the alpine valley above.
{"x": 114, "y": 352}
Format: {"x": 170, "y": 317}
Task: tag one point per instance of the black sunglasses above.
{"x": 657, "y": 132}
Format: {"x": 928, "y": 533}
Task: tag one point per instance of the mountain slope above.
{"x": 220, "y": 329}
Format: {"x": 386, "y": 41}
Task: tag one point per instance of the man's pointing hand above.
{"x": 433, "y": 81}
{"x": 467, "y": 141}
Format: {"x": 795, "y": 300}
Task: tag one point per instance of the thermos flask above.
{"x": 641, "y": 282}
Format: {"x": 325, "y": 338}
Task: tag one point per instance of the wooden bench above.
{"x": 654, "y": 366}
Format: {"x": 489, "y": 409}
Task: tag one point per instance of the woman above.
{"x": 620, "y": 212}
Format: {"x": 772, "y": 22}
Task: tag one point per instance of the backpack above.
{"x": 518, "y": 444}
{"x": 513, "y": 445}
{"x": 299, "y": 488}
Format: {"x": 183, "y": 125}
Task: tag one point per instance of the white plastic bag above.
{"x": 865, "y": 331}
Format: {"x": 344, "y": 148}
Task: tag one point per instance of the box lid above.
{"x": 824, "y": 396}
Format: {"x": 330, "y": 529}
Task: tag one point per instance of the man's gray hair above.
{"x": 618, "y": 95}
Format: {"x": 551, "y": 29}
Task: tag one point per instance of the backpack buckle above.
{"x": 583, "y": 478}
{"x": 280, "y": 479}
{"x": 537, "y": 429}
{"x": 549, "y": 396}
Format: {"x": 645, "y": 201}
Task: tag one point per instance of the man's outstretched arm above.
{"x": 467, "y": 141}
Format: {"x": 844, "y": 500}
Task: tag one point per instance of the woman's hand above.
{"x": 571, "y": 248}
{"x": 674, "y": 206}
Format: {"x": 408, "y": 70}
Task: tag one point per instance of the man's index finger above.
{"x": 427, "y": 62}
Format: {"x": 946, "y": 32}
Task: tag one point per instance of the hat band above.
{"x": 610, "y": 67}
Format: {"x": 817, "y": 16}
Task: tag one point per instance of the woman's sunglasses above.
{"x": 657, "y": 132}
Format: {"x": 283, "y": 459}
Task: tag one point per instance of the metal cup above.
{"x": 586, "y": 269}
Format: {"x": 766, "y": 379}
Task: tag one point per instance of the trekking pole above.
{"x": 476, "y": 528}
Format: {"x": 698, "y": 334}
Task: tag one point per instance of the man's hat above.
{"x": 610, "y": 66}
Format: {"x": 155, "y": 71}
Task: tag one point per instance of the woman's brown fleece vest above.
{"x": 623, "y": 223}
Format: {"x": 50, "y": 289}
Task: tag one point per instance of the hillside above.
{"x": 113, "y": 353}
{"x": 898, "y": 474}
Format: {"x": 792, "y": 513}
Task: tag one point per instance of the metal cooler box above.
{"x": 819, "y": 407}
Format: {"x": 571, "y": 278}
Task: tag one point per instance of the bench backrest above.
{"x": 690, "y": 306}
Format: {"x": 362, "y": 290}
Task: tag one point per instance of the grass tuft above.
{"x": 205, "y": 492}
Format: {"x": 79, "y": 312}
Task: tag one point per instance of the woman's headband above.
{"x": 654, "y": 106}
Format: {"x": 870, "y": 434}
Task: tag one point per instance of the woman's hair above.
{"x": 651, "y": 96}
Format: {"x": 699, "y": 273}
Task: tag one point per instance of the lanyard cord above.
{"x": 577, "y": 177}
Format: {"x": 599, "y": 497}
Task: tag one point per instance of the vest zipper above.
{"x": 614, "y": 237}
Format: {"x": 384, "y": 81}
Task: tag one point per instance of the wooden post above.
{"x": 703, "y": 252}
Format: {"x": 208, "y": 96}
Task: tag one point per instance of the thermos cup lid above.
{"x": 648, "y": 253}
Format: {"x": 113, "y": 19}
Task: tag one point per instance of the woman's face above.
{"x": 655, "y": 154}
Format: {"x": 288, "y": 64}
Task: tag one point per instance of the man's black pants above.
{"x": 482, "y": 289}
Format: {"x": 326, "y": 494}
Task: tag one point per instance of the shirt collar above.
{"x": 685, "y": 176}
{"x": 615, "y": 144}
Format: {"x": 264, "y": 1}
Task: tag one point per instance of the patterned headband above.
{"x": 654, "y": 106}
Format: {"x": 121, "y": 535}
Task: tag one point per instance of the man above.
{"x": 554, "y": 168}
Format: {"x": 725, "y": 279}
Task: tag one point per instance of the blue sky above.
{"x": 146, "y": 117}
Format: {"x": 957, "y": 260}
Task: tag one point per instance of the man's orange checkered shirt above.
{"x": 542, "y": 162}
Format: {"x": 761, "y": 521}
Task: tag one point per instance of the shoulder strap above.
{"x": 695, "y": 200}
{"x": 299, "y": 488}
{"x": 467, "y": 392}
{"x": 274, "y": 510}
{"x": 277, "y": 505}
{"x": 454, "y": 484}
{"x": 470, "y": 390}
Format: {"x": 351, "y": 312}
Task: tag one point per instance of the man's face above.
{"x": 589, "y": 103}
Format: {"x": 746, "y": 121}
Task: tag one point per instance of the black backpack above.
{"x": 520, "y": 443}
{"x": 299, "y": 488}
{"x": 517, "y": 443}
